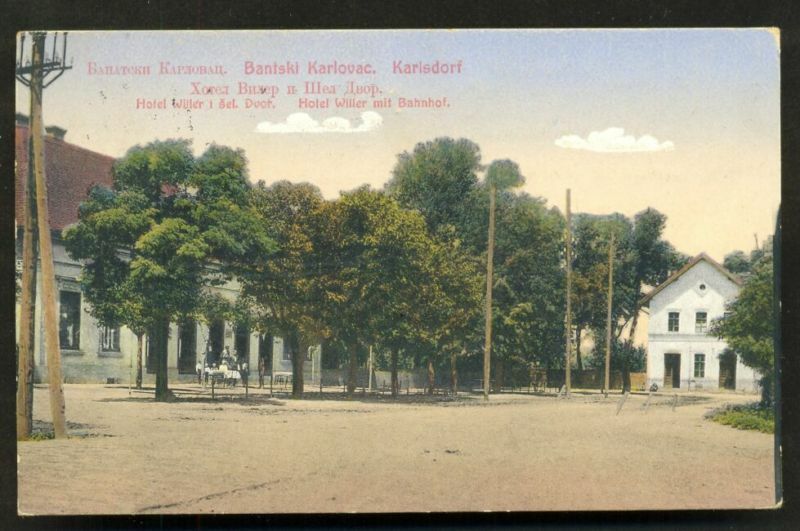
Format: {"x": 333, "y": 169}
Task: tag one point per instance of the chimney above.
{"x": 56, "y": 132}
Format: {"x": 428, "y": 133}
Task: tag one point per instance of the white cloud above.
{"x": 614, "y": 140}
{"x": 301, "y": 122}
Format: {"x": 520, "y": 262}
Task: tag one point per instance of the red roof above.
{"x": 70, "y": 170}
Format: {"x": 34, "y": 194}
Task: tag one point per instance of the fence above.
{"x": 585, "y": 379}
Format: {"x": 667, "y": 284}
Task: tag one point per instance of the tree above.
{"x": 171, "y": 229}
{"x": 437, "y": 179}
{"x": 737, "y": 262}
{"x": 748, "y": 327}
{"x": 592, "y": 236}
{"x": 654, "y": 259}
{"x": 641, "y": 258}
{"x": 529, "y": 300}
{"x": 373, "y": 273}
{"x": 281, "y": 284}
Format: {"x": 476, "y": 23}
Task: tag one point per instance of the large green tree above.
{"x": 749, "y": 324}
{"x": 529, "y": 298}
{"x": 376, "y": 275}
{"x": 281, "y": 284}
{"x": 171, "y": 229}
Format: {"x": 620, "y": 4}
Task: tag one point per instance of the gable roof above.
{"x": 71, "y": 171}
{"x": 677, "y": 274}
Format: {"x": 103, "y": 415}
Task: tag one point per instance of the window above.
{"x": 700, "y": 323}
{"x": 673, "y": 323}
{"x": 69, "y": 326}
{"x": 699, "y": 365}
{"x": 109, "y": 339}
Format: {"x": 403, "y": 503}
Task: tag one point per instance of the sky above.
{"x": 684, "y": 121}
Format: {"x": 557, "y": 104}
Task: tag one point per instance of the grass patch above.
{"x": 746, "y": 417}
{"x": 41, "y": 436}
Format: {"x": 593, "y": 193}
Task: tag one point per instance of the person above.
{"x": 243, "y": 370}
{"x": 201, "y": 362}
{"x": 262, "y": 370}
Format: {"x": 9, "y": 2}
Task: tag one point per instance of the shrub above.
{"x": 746, "y": 417}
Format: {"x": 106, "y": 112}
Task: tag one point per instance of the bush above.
{"x": 746, "y": 417}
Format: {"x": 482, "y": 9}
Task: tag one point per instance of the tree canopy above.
{"x": 171, "y": 228}
{"x": 749, "y": 325}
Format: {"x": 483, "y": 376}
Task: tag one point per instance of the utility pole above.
{"x": 568, "y": 317}
{"x": 27, "y": 331}
{"x": 606, "y": 385}
{"x": 33, "y": 76}
{"x": 370, "y": 368}
{"x": 487, "y": 348}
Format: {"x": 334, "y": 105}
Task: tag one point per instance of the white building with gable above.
{"x": 681, "y": 353}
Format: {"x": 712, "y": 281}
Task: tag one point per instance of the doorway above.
{"x": 216, "y": 339}
{"x": 241, "y": 343}
{"x": 672, "y": 371}
{"x": 727, "y": 370}
{"x": 187, "y": 348}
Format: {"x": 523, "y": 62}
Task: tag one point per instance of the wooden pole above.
{"x": 370, "y": 368}
{"x": 51, "y": 341}
{"x": 606, "y": 385}
{"x": 27, "y": 319}
{"x": 568, "y": 317}
{"x": 487, "y": 349}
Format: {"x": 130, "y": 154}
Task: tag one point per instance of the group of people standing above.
{"x": 227, "y": 364}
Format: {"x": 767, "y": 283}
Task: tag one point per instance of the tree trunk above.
{"x": 353, "y": 367}
{"x": 454, "y": 372}
{"x": 158, "y": 343}
{"x": 578, "y": 331}
{"x": 298, "y": 384}
{"x": 431, "y": 377}
{"x": 395, "y": 382}
{"x": 626, "y": 379}
{"x": 139, "y": 345}
{"x": 634, "y": 322}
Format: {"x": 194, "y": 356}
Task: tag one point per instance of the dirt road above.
{"x": 519, "y": 452}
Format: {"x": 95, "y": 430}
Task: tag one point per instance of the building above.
{"x": 96, "y": 354}
{"x": 681, "y": 353}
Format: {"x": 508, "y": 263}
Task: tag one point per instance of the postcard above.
{"x": 397, "y": 271}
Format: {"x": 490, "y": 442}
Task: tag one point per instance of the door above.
{"x": 727, "y": 371}
{"x": 672, "y": 371}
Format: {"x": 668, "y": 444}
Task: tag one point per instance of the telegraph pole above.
{"x": 33, "y": 75}
{"x": 608, "y": 314}
{"x": 568, "y": 318}
{"x": 487, "y": 348}
{"x": 27, "y": 330}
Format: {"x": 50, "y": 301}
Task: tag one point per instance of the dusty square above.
{"x": 519, "y": 452}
